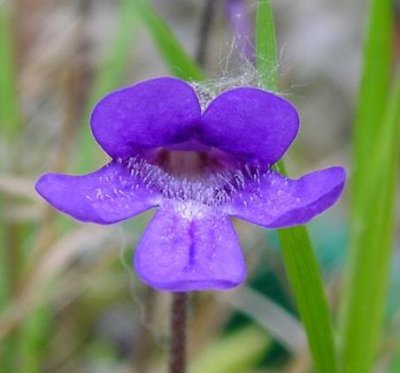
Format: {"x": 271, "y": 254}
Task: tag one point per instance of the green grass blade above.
{"x": 372, "y": 187}
{"x": 374, "y": 91}
{"x": 266, "y": 50}
{"x": 372, "y": 247}
{"x": 305, "y": 280}
{"x": 10, "y": 119}
{"x": 175, "y": 56}
{"x": 300, "y": 262}
{"x": 109, "y": 76}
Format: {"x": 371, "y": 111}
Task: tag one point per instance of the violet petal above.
{"x": 153, "y": 113}
{"x": 178, "y": 253}
{"x": 274, "y": 201}
{"x": 251, "y": 123}
{"x": 106, "y": 196}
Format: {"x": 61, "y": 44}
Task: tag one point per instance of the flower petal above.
{"x": 274, "y": 201}
{"x": 251, "y": 123}
{"x": 156, "y": 112}
{"x": 178, "y": 253}
{"x": 105, "y": 196}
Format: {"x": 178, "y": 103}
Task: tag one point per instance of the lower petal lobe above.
{"x": 106, "y": 196}
{"x": 179, "y": 252}
{"x": 274, "y": 201}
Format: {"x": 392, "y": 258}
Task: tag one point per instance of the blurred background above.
{"x": 69, "y": 299}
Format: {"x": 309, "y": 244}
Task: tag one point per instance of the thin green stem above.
{"x": 266, "y": 49}
{"x": 175, "y": 56}
{"x": 299, "y": 258}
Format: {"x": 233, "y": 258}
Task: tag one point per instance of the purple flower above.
{"x": 199, "y": 169}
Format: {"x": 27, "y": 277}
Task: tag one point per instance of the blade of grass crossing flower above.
{"x": 175, "y": 56}
{"x": 266, "y": 50}
{"x": 372, "y": 247}
{"x": 300, "y": 262}
{"x": 373, "y": 93}
{"x": 109, "y": 76}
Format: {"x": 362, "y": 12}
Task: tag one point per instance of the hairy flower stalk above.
{"x": 199, "y": 168}
{"x": 238, "y": 14}
{"x": 177, "y": 363}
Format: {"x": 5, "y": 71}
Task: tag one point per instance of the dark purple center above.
{"x": 207, "y": 177}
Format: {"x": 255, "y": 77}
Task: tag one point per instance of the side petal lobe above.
{"x": 106, "y": 196}
{"x": 274, "y": 201}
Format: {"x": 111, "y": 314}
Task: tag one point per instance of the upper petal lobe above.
{"x": 150, "y": 114}
{"x": 182, "y": 253}
{"x": 105, "y": 196}
{"x": 250, "y": 123}
{"x": 274, "y": 201}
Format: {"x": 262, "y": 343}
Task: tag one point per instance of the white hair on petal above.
{"x": 210, "y": 189}
{"x": 235, "y": 72}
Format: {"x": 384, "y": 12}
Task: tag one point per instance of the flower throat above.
{"x": 191, "y": 176}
